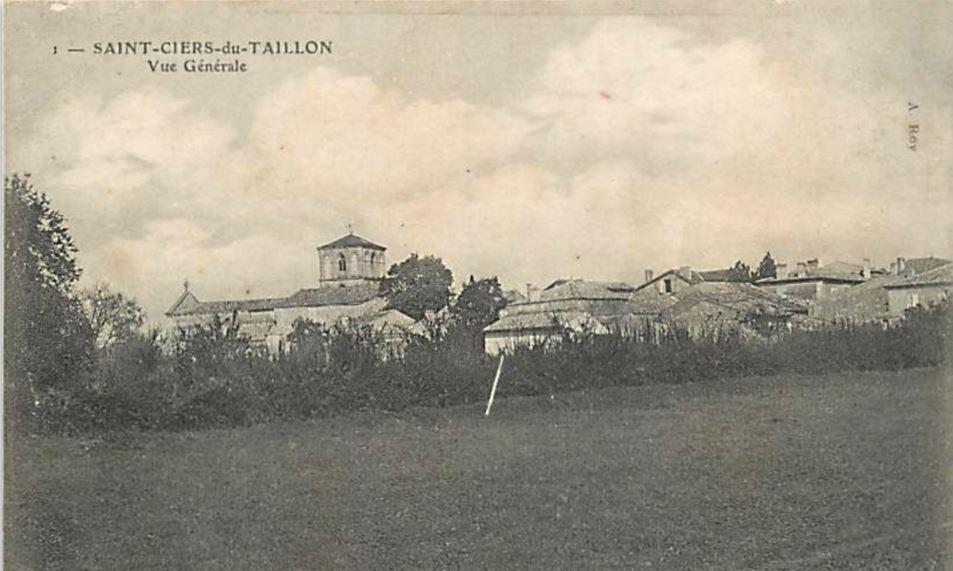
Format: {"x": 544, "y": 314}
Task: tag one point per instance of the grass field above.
{"x": 779, "y": 473}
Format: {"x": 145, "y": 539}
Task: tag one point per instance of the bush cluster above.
{"x": 214, "y": 378}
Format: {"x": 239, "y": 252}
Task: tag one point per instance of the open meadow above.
{"x": 841, "y": 471}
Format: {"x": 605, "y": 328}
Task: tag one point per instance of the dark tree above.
{"x": 38, "y": 249}
{"x": 479, "y": 304}
{"x": 740, "y": 272}
{"x": 47, "y": 340}
{"x": 114, "y": 318}
{"x": 417, "y": 285}
{"x": 767, "y": 268}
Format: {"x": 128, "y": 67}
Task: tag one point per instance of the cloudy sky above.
{"x": 566, "y": 142}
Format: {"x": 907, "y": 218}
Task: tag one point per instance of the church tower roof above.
{"x": 352, "y": 241}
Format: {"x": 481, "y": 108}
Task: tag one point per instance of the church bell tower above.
{"x": 351, "y": 259}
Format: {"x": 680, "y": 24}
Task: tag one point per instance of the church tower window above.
{"x": 355, "y": 259}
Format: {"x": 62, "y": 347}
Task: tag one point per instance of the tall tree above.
{"x": 47, "y": 339}
{"x": 479, "y": 303}
{"x": 113, "y": 317}
{"x": 740, "y": 272}
{"x": 417, "y": 285}
{"x": 767, "y": 268}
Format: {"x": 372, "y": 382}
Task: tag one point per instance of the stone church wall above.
{"x": 358, "y": 263}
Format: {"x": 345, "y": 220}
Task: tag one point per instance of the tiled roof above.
{"x": 687, "y": 275}
{"x": 184, "y": 304}
{"x": 731, "y": 298}
{"x": 337, "y": 294}
{"x": 537, "y": 320}
{"x": 352, "y": 241}
{"x": 340, "y": 294}
{"x": 387, "y": 318}
{"x": 596, "y": 298}
{"x": 577, "y": 303}
{"x": 651, "y": 300}
{"x": 918, "y": 266}
{"x": 838, "y": 268}
{"x": 585, "y": 289}
{"x": 835, "y": 271}
{"x": 942, "y": 275}
{"x": 542, "y": 321}
{"x": 208, "y": 307}
{"x": 725, "y": 275}
{"x": 741, "y": 298}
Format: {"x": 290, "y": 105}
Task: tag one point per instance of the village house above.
{"x": 865, "y": 302}
{"x": 350, "y": 270}
{"x": 718, "y": 309}
{"x": 923, "y": 290}
{"x": 869, "y": 302}
{"x": 682, "y": 297}
{"x": 566, "y": 307}
{"x": 812, "y": 281}
{"x": 714, "y": 302}
{"x": 675, "y": 280}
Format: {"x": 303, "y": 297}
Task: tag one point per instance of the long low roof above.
{"x": 537, "y": 321}
{"x": 942, "y": 275}
{"x": 331, "y": 294}
{"x": 342, "y": 294}
{"x": 188, "y": 304}
{"x": 813, "y": 277}
{"x": 736, "y": 297}
{"x": 574, "y": 288}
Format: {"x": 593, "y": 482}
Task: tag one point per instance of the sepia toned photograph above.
{"x": 477, "y": 285}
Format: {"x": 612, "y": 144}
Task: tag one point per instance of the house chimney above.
{"x": 866, "y": 271}
{"x": 781, "y": 269}
{"x": 685, "y": 272}
{"x": 649, "y": 274}
{"x": 901, "y": 266}
{"x": 532, "y": 293}
{"x": 801, "y": 269}
{"x": 813, "y": 264}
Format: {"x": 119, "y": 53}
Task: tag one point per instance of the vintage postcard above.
{"x": 489, "y": 285}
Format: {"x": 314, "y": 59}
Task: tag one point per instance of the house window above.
{"x": 342, "y": 263}
{"x": 914, "y": 300}
{"x": 669, "y": 286}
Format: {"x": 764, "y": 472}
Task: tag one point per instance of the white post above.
{"x": 496, "y": 380}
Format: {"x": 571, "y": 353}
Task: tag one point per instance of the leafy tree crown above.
{"x": 417, "y": 285}
{"x": 479, "y": 303}
{"x": 767, "y": 268}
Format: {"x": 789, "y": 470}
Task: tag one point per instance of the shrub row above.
{"x": 215, "y": 378}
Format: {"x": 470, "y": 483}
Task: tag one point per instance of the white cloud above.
{"x": 153, "y": 265}
{"x": 641, "y": 146}
{"x": 345, "y": 141}
{"x": 654, "y": 96}
{"x": 154, "y": 189}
